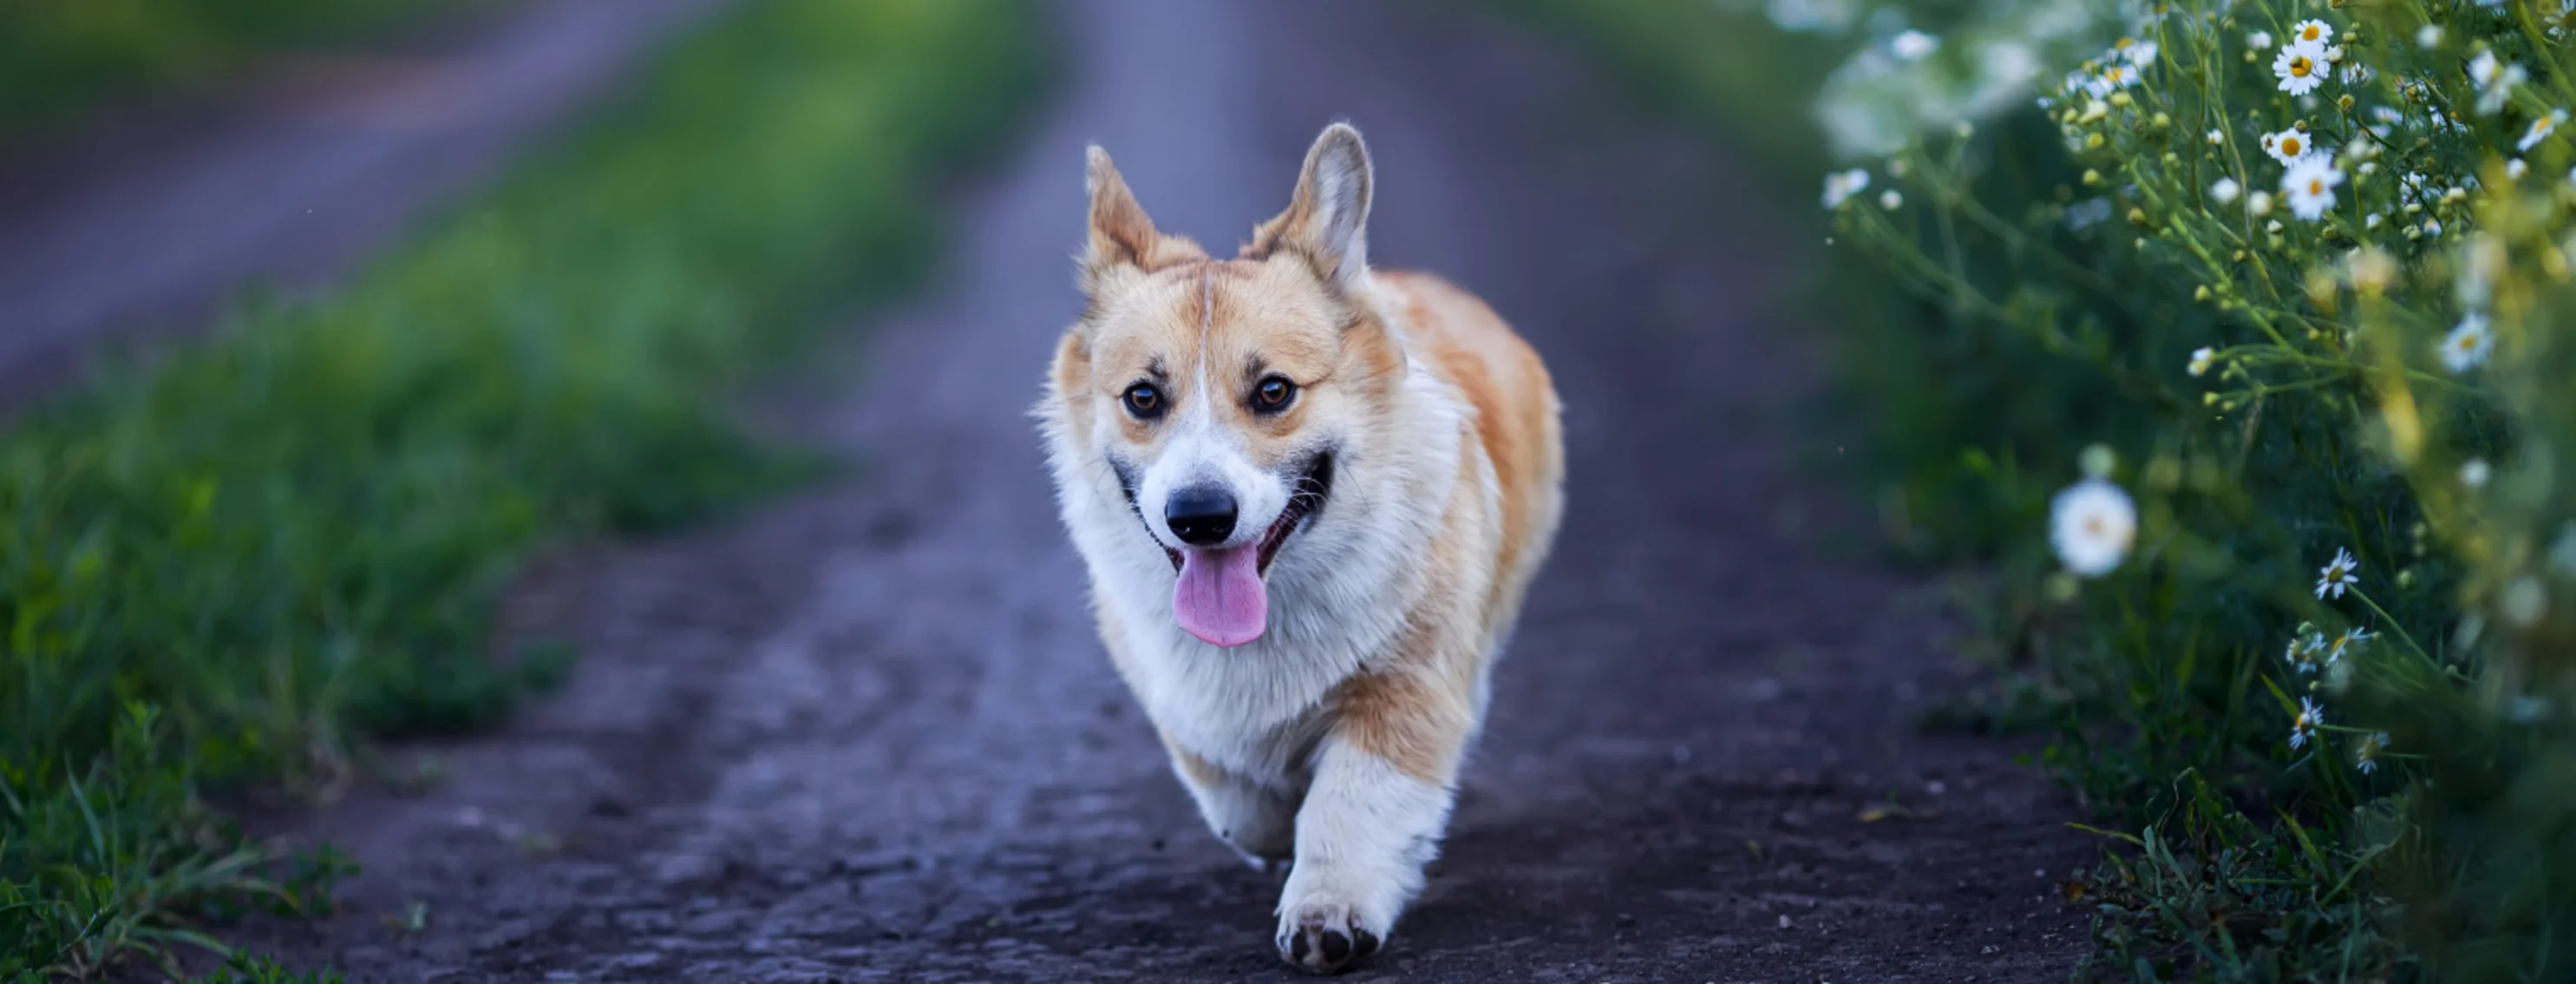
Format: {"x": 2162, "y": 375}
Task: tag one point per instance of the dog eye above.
{"x": 1273, "y": 393}
{"x": 1143, "y": 400}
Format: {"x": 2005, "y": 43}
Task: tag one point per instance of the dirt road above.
{"x": 869, "y": 735}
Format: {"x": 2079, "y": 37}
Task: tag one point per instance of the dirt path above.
{"x": 869, "y": 735}
{"x": 152, "y": 223}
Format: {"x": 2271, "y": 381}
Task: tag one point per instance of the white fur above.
{"x": 1363, "y": 837}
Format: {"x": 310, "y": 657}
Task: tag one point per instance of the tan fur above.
{"x": 1390, "y": 604}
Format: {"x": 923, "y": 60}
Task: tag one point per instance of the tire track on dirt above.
{"x": 881, "y": 743}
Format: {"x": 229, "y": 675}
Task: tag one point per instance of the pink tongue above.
{"x": 1220, "y": 598}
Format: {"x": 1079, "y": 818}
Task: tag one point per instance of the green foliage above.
{"x": 230, "y": 564}
{"x": 58, "y": 57}
{"x": 2126, "y": 299}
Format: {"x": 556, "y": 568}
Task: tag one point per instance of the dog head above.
{"x": 1221, "y": 400}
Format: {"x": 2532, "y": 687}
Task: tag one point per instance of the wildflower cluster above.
{"x": 2316, "y": 266}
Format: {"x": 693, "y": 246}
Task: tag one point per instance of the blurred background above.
{"x": 601, "y": 423}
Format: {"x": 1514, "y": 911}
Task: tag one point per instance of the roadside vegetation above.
{"x": 230, "y": 567}
{"x": 61, "y": 57}
{"x": 2228, "y": 342}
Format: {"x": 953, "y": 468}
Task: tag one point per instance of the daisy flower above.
{"x": 2217, "y": 137}
{"x": 2311, "y": 717}
{"x": 2310, "y": 32}
{"x": 1890, "y": 200}
{"x": 2259, "y": 40}
{"x": 2428, "y": 36}
{"x": 2288, "y": 146}
{"x": 2514, "y": 169}
{"x": 1913, "y": 46}
{"x": 2351, "y": 640}
{"x": 2365, "y": 753}
{"x": 2138, "y": 53}
{"x": 2309, "y": 187}
{"x": 2303, "y": 650}
{"x": 2467, "y": 346}
{"x": 2092, "y": 524}
{"x": 2300, "y": 67}
{"x": 2201, "y": 358}
{"x": 2225, "y": 191}
{"x": 1842, "y": 185}
{"x": 2540, "y": 130}
{"x": 2344, "y": 571}
{"x": 2475, "y": 472}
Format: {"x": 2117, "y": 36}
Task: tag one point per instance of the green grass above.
{"x": 60, "y": 57}
{"x": 231, "y": 567}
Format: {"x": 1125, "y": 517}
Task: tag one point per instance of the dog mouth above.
{"x": 1314, "y": 484}
{"x": 1219, "y": 594}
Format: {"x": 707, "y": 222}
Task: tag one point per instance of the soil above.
{"x": 867, "y": 734}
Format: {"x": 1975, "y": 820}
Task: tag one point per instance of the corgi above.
{"x": 1311, "y": 497}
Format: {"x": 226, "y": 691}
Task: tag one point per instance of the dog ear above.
{"x": 1122, "y": 235}
{"x": 1327, "y": 220}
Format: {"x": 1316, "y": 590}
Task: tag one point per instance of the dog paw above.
{"x": 1324, "y": 935}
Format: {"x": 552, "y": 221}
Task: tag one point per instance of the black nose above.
{"x": 1201, "y": 515}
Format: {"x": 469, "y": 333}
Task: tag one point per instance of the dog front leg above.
{"x": 1258, "y": 823}
{"x": 1372, "y": 818}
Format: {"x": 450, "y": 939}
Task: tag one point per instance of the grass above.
{"x": 231, "y": 567}
{"x": 60, "y": 57}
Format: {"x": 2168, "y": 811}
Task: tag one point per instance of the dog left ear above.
{"x": 1327, "y": 220}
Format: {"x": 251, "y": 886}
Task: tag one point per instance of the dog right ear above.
{"x": 1122, "y": 235}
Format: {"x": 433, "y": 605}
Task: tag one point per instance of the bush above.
{"x": 2302, "y": 270}
{"x": 2259, "y": 457}
{"x": 231, "y": 565}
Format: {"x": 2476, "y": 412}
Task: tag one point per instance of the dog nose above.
{"x": 1201, "y": 515}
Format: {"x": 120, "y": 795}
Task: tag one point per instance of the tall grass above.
{"x": 2172, "y": 385}
{"x": 235, "y": 564}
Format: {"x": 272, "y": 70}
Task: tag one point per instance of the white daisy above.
{"x": 2217, "y": 137}
{"x": 2344, "y": 571}
{"x": 2540, "y": 130}
{"x": 1840, "y": 186}
{"x": 2311, "y": 717}
{"x": 1890, "y": 200}
{"x": 2200, "y": 360}
{"x": 2467, "y": 346}
{"x": 2428, "y": 36}
{"x": 2350, "y": 642}
{"x": 2092, "y": 524}
{"x": 2138, "y": 53}
{"x": 2310, "y": 32}
{"x": 2514, "y": 169}
{"x": 2225, "y": 191}
{"x": 2309, "y": 187}
{"x": 2485, "y": 69}
{"x": 2288, "y": 146}
{"x": 2259, "y": 203}
{"x": 2303, "y": 650}
{"x": 2365, "y": 753}
{"x": 2259, "y": 40}
{"x": 2475, "y": 472}
{"x": 1913, "y": 46}
{"x": 2300, "y": 67}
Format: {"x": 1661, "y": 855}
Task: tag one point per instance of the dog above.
{"x": 1311, "y": 497}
